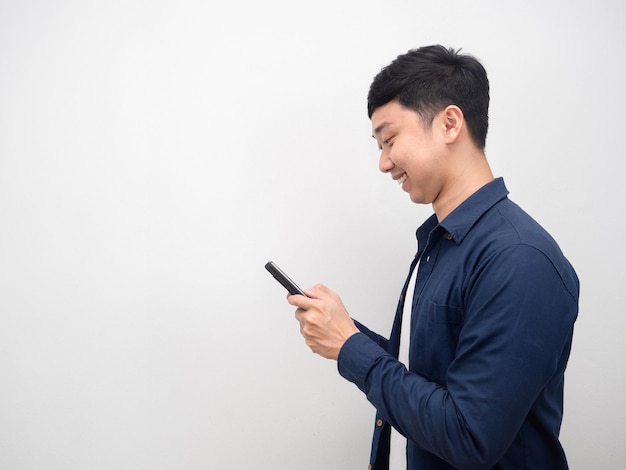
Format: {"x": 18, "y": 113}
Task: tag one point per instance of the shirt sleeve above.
{"x": 378, "y": 339}
{"x": 518, "y": 320}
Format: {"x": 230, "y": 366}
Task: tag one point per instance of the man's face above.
{"x": 411, "y": 152}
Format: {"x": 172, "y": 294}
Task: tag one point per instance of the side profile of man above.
{"x": 471, "y": 376}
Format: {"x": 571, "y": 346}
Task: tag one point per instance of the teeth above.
{"x": 402, "y": 179}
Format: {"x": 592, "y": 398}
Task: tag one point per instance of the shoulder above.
{"x": 508, "y": 233}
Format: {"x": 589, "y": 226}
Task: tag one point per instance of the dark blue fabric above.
{"x": 491, "y": 328}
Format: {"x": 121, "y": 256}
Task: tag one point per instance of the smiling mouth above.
{"x": 402, "y": 179}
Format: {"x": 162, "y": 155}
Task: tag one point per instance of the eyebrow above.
{"x": 380, "y": 128}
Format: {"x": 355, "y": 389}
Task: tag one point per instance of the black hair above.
{"x": 430, "y": 78}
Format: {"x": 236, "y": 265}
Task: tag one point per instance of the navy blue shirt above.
{"x": 491, "y": 329}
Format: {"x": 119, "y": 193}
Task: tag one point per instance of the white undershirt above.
{"x": 397, "y": 452}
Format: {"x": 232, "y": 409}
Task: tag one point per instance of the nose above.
{"x": 385, "y": 164}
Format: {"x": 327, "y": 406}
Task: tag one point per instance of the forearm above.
{"x": 421, "y": 410}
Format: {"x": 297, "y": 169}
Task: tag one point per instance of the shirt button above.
{"x": 379, "y": 423}
{"x": 449, "y": 236}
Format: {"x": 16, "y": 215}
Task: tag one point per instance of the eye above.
{"x": 385, "y": 143}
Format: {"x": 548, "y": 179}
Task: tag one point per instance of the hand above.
{"x": 324, "y": 321}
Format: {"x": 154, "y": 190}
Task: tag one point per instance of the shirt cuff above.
{"x": 356, "y": 358}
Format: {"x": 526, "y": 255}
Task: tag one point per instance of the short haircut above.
{"x": 430, "y": 78}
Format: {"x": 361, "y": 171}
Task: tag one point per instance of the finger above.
{"x": 300, "y": 324}
{"x": 300, "y": 314}
{"x": 300, "y": 301}
{"x": 317, "y": 291}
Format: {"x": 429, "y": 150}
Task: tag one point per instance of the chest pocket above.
{"x": 434, "y": 339}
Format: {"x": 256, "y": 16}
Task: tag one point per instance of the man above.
{"x": 490, "y": 318}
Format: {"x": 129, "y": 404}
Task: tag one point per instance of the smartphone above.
{"x": 281, "y": 277}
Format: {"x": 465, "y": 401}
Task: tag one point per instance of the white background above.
{"x": 155, "y": 154}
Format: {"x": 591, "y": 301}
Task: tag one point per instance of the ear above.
{"x": 453, "y": 123}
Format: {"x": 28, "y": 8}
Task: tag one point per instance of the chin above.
{"x": 416, "y": 199}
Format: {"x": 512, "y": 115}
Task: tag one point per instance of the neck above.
{"x": 463, "y": 182}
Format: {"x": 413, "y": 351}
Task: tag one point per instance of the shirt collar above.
{"x": 459, "y": 222}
